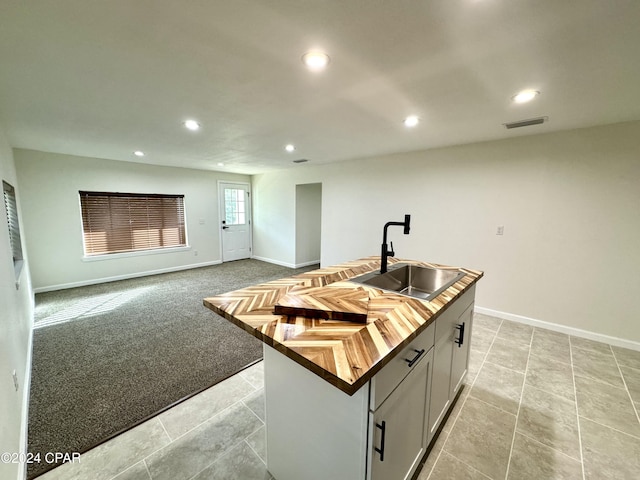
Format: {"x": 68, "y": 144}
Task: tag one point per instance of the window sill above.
{"x": 139, "y": 253}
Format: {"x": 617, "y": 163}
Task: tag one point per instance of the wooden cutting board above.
{"x": 333, "y": 303}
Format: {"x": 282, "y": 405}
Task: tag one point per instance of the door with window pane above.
{"x": 235, "y": 221}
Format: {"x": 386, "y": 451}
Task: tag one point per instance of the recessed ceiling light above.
{"x": 220, "y": 164}
{"x": 290, "y": 148}
{"x": 139, "y": 153}
{"x": 315, "y": 60}
{"x": 192, "y": 125}
{"x": 411, "y": 121}
{"x": 525, "y": 96}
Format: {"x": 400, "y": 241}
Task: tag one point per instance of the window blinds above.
{"x": 126, "y": 222}
{"x": 11, "y": 208}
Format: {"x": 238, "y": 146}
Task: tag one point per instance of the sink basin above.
{"x": 411, "y": 280}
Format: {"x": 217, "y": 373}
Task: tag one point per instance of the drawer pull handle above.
{"x": 383, "y": 430}
{"x": 415, "y": 359}
{"x": 460, "y": 339}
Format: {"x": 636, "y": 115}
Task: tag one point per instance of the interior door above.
{"x": 235, "y": 221}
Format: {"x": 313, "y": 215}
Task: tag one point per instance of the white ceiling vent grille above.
{"x": 526, "y": 123}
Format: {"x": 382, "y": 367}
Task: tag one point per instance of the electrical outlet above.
{"x": 500, "y": 230}
{"x": 195, "y": 253}
{"x": 15, "y": 380}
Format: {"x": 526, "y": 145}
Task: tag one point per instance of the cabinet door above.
{"x": 398, "y": 439}
{"x": 462, "y": 341}
{"x": 441, "y": 376}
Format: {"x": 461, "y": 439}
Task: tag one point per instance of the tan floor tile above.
{"x": 596, "y": 365}
{"x": 550, "y": 376}
{"x": 196, "y": 450}
{"x": 482, "y": 338}
{"x": 137, "y": 472}
{"x": 516, "y": 332}
{"x": 551, "y": 335}
{"x": 590, "y": 345}
{"x": 509, "y": 354}
{"x": 240, "y": 463}
{"x": 632, "y": 380}
{"x": 115, "y": 456}
{"x": 476, "y": 358}
{"x": 191, "y": 413}
{"x": 255, "y": 402}
{"x": 552, "y": 345}
{"x": 551, "y": 420}
{"x": 626, "y": 357}
{"x": 499, "y": 386}
{"x": 486, "y": 321}
{"x": 606, "y": 405}
{"x": 607, "y": 453}
{"x": 531, "y": 460}
{"x": 455, "y": 411}
{"x": 470, "y": 443}
{"x": 450, "y": 468}
{"x": 432, "y": 457}
{"x": 258, "y": 443}
{"x": 254, "y": 374}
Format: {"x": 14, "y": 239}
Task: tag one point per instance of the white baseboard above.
{"x": 96, "y": 281}
{"x": 285, "y": 264}
{"x": 306, "y": 264}
{"x": 577, "y": 332}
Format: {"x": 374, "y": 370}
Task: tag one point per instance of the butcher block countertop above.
{"x": 343, "y": 352}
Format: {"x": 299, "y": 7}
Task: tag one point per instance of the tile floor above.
{"x": 537, "y": 405}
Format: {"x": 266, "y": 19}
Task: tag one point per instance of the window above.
{"x": 11, "y": 207}
{"x": 234, "y": 206}
{"x": 130, "y": 222}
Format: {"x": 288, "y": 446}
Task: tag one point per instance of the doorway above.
{"x": 308, "y": 224}
{"x": 235, "y": 220}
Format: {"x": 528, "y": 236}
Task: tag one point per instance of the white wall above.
{"x": 569, "y": 203}
{"x": 16, "y": 319}
{"x": 308, "y": 221}
{"x": 50, "y": 184}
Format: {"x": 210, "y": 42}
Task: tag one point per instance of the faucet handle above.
{"x": 391, "y": 253}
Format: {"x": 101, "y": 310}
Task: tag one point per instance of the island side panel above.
{"x": 314, "y": 430}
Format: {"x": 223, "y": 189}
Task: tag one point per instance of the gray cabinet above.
{"x": 450, "y": 357}
{"x": 398, "y": 425}
{"x": 462, "y": 342}
{"x": 440, "y": 380}
{"x": 316, "y": 432}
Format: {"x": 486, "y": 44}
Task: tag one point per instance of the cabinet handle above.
{"x": 383, "y": 430}
{"x": 415, "y": 359}
{"x": 460, "y": 339}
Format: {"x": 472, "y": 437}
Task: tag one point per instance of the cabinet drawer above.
{"x": 446, "y": 321}
{"x": 387, "y": 379}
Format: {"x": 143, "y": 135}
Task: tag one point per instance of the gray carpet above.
{"x": 108, "y": 356}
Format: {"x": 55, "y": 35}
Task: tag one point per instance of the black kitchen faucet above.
{"x": 386, "y": 252}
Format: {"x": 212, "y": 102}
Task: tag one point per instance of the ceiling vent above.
{"x": 302, "y": 160}
{"x": 526, "y": 123}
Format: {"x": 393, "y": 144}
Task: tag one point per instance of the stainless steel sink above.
{"x": 412, "y": 280}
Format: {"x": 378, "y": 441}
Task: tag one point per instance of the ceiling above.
{"x": 104, "y": 78}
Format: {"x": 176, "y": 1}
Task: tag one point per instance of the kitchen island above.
{"x": 357, "y": 379}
